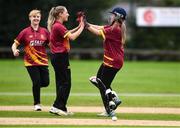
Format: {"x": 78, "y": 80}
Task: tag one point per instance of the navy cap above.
{"x": 120, "y": 12}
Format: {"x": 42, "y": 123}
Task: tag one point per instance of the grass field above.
{"x": 139, "y": 84}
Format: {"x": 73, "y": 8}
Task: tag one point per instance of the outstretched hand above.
{"x": 80, "y": 15}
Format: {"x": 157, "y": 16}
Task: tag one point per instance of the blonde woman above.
{"x": 34, "y": 39}
{"x": 114, "y": 39}
{"x": 59, "y": 45}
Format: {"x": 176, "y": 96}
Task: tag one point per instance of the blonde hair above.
{"x": 53, "y": 15}
{"x": 123, "y": 27}
{"x": 34, "y": 12}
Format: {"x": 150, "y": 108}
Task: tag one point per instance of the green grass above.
{"x": 121, "y": 116}
{"x": 152, "y": 75}
{"x": 134, "y": 78}
{"x": 95, "y": 101}
{"x": 141, "y": 79}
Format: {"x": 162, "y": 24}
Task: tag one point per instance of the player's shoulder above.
{"x": 43, "y": 29}
{"x": 116, "y": 29}
{"x": 106, "y": 26}
{"x": 25, "y": 30}
{"x": 58, "y": 25}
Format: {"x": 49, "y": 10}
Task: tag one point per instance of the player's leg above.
{"x": 44, "y": 74}
{"x": 106, "y": 78}
{"x": 116, "y": 99}
{"x": 108, "y": 103}
{"x": 106, "y": 96}
{"x": 93, "y": 79}
{"x": 97, "y": 81}
{"x": 60, "y": 63}
{"x": 102, "y": 88}
{"x": 34, "y": 74}
{"x": 103, "y": 81}
{"x": 109, "y": 74}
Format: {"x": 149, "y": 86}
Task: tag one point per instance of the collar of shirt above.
{"x": 58, "y": 22}
{"x": 34, "y": 30}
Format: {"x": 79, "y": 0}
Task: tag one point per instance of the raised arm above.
{"x": 75, "y": 29}
{"x": 96, "y": 26}
{"x": 74, "y": 33}
{"x": 95, "y": 29}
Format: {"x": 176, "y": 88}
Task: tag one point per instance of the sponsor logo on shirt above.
{"x": 36, "y": 43}
{"x": 30, "y": 36}
{"x": 42, "y": 37}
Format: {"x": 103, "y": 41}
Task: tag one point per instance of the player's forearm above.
{"x": 14, "y": 47}
{"x": 96, "y": 26}
{"x": 94, "y": 30}
{"x": 73, "y": 36}
{"x": 75, "y": 29}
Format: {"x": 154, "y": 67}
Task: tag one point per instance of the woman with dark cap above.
{"x": 114, "y": 36}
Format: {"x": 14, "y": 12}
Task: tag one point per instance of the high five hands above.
{"x": 81, "y": 17}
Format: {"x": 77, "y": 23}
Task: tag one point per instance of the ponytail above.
{"x": 123, "y": 28}
{"x": 54, "y": 15}
{"x": 51, "y": 19}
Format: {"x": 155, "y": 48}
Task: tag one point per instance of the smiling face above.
{"x": 64, "y": 15}
{"x": 35, "y": 17}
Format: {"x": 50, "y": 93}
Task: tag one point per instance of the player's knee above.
{"x": 45, "y": 83}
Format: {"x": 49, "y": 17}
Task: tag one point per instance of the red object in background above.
{"x": 149, "y": 16}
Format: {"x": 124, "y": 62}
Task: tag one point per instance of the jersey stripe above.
{"x": 17, "y": 42}
{"x": 66, "y": 34}
{"x": 109, "y": 58}
{"x": 102, "y": 34}
{"x": 107, "y": 64}
{"x": 42, "y": 53}
{"x": 42, "y": 58}
{"x": 33, "y": 57}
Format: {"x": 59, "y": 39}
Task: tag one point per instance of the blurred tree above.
{"x": 154, "y": 37}
{"x": 14, "y": 17}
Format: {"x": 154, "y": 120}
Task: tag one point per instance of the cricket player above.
{"x": 114, "y": 36}
{"x": 59, "y": 45}
{"x": 34, "y": 40}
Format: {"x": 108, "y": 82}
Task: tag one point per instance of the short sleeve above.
{"x": 19, "y": 39}
{"x": 104, "y": 32}
{"x": 106, "y": 29}
{"x": 61, "y": 30}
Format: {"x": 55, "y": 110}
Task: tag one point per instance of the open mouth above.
{"x": 36, "y": 20}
